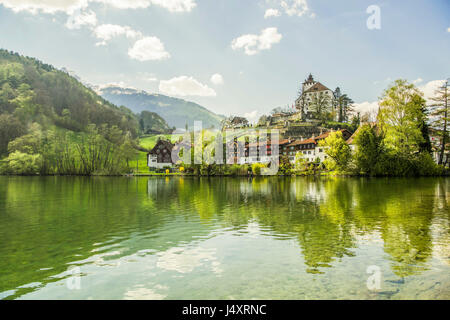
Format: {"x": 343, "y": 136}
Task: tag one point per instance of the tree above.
{"x": 10, "y": 128}
{"x": 439, "y": 111}
{"x": 368, "y": 148}
{"x": 299, "y": 162}
{"x": 356, "y": 121}
{"x": 425, "y": 145}
{"x": 344, "y": 105}
{"x": 337, "y": 149}
{"x": 319, "y": 104}
{"x": 401, "y": 117}
{"x": 23, "y": 163}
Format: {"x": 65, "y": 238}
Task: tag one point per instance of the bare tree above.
{"x": 440, "y": 116}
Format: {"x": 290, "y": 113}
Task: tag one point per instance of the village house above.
{"x": 161, "y": 155}
{"x": 310, "y": 147}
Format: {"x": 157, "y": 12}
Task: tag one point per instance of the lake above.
{"x": 224, "y": 238}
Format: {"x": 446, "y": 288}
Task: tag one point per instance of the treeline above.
{"x": 100, "y": 150}
{"x": 397, "y": 144}
{"x": 50, "y": 123}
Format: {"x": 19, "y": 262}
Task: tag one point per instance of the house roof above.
{"x": 280, "y": 143}
{"x": 314, "y": 140}
{"x": 163, "y": 142}
{"x": 299, "y": 142}
{"x": 326, "y": 134}
{"x": 238, "y": 120}
{"x": 316, "y": 88}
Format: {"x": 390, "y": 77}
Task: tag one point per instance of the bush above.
{"x": 256, "y": 168}
{"x": 22, "y": 163}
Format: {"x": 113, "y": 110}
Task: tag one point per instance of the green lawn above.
{"x": 139, "y": 165}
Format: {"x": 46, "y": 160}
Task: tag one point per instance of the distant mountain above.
{"x": 177, "y": 112}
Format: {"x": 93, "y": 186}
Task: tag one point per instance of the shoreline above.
{"x": 226, "y": 176}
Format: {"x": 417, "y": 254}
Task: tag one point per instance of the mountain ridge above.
{"x": 176, "y": 111}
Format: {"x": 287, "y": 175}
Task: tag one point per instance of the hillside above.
{"x": 52, "y": 123}
{"x": 151, "y": 122}
{"x": 177, "y": 112}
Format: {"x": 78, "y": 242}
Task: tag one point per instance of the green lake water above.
{"x": 224, "y": 238}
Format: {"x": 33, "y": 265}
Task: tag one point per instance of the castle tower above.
{"x": 309, "y": 82}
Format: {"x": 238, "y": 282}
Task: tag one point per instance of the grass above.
{"x": 139, "y": 165}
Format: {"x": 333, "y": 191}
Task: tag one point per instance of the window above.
{"x": 309, "y": 152}
{"x": 320, "y": 150}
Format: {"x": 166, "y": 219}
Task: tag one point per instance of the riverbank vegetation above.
{"x": 50, "y": 123}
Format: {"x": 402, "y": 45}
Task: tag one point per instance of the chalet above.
{"x": 161, "y": 155}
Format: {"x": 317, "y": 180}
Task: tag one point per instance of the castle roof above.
{"x": 316, "y": 88}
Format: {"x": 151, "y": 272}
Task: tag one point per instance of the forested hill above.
{"x": 177, "y": 112}
{"x": 44, "y": 110}
{"x": 33, "y": 91}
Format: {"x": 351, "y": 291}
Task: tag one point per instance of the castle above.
{"x": 315, "y": 98}
{"x": 316, "y": 105}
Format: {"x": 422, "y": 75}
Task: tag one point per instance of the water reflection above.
{"x": 181, "y": 225}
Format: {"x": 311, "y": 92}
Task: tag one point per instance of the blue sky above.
{"x": 259, "y": 50}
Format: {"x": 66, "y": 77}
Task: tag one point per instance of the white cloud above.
{"x": 418, "y": 80}
{"x": 46, "y": 6}
{"x": 430, "y": 87}
{"x": 81, "y": 18}
{"x": 295, "y": 7}
{"x": 125, "y": 4}
{"x": 253, "y": 43}
{"x": 448, "y": 30}
{"x": 366, "y": 106}
{"x": 106, "y": 32}
{"x": 176, "y": 5}
{"x": 272, "y": 13}
{"x": 143, "y": 294}
{"x": 185, "y": 86}
{"x": 171, "y": 5}
{"x": 251, "y": 116}
{"x": 217, "y": 79}
{"x": 186, "y": 260}
{"x": 148, "y": 48}
{"x": 69, "y": 6}
{"x": 428, "y": 90}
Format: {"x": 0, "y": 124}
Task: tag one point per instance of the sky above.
{"x": 237, "y": 57}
